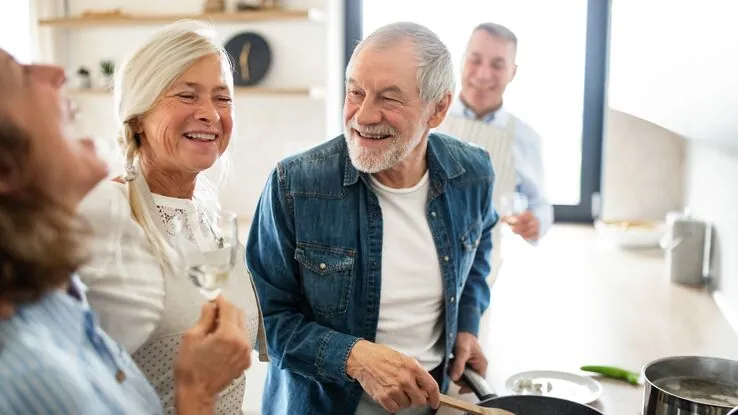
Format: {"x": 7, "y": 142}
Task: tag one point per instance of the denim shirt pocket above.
{"x": 328, "y": 277}
{"x": 469, "y": 243}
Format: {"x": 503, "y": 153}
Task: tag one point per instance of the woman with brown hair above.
{"x": 54, "y": 358}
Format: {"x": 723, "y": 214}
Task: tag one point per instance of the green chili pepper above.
{"x": 616, "y": 373}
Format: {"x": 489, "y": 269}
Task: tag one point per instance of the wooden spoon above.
{"x": 471, "y": 408}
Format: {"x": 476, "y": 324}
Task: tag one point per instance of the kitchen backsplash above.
{"x": 643, "y": 169}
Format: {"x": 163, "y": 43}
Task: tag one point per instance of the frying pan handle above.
{"x": 477, "y": 384}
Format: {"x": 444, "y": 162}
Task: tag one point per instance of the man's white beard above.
{"x": 374, "y": 160}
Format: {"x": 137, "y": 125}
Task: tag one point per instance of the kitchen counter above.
{"x": 577, "y": 301}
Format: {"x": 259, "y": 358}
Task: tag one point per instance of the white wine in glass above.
{"x": 209, "y": 266}
{"x": 209, "y": 278}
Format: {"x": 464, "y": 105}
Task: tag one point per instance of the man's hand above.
{"x": 392, "y": 379}
{"x": 526, "y": 225}
{"x": 467, "y": 351}
{"x": 213, "y": 353}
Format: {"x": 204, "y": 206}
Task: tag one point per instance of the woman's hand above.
{"x": 213, "y": 353}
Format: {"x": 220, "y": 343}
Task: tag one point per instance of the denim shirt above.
{"x": 315, "y": 249}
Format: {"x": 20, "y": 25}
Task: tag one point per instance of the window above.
{"x": 564, "y": 72}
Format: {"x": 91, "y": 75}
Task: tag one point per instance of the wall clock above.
{"x": 251, "y": 57}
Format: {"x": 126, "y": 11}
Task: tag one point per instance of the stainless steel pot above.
{"x": 690, "y": 385}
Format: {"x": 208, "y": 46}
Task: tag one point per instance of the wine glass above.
{"x": 513, "y": 204}
{"x": 209, "y": 266}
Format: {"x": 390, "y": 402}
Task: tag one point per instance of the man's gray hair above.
{"x": 435, "y": 66}
{"x": 499, "y": 31}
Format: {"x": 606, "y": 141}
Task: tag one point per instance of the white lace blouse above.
{"x": 140, "y": 307}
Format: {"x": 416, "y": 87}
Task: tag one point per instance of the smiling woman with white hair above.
{"x": 174, "y": 103}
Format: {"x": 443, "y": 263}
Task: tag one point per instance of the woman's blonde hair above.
{"x": 139, "y": 84}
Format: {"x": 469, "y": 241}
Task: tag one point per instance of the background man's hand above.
{"x": 392, "y": 379}
{"x": 525, "y": 225}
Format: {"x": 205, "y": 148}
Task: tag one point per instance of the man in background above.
{"x": 488, "y": 67}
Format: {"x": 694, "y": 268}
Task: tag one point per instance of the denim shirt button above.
{"x": 322, "y": 265}
{"x": 445, "y": 258}
{"x": 433, "y": 214}
{"x": 452, "y": 299}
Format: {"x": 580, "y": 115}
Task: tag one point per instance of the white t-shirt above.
{"x": 411, "y": 299}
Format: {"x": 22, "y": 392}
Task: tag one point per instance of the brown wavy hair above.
{"x": 41, "y": 240}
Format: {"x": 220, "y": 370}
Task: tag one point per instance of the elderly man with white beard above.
{"x": 370, "y": 252}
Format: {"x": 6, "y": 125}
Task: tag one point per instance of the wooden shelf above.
{"x": 315, "y": 93}
{"x": 143, "y": 19}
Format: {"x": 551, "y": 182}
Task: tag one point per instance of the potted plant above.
{"x": 83, "y": 78}
{"x": 107, "y": 68}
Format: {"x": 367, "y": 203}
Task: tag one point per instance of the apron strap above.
{"x": 511, "y": 124}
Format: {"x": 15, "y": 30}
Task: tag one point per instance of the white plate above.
{"x": 570, "y": 386}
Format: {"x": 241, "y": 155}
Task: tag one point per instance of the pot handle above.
{"x": 477, "y": 384}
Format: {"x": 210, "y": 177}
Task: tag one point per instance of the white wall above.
{"x": 304, "y": 54}
{"x": 673, "y": 62}
{"x": 15, "y": 24}
{"x": 642, "y": 171}
{"x": 712, "y": 195}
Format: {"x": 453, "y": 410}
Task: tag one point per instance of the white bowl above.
{"x": 632, "y": 233}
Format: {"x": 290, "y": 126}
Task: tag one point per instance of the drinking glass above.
{"x": 208, "y": 267}
{"x": 513, "y": 204}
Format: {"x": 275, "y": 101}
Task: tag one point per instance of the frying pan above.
{"x": 523, "y": 404}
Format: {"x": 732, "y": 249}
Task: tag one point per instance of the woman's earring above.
{"x": 131, "y": 172}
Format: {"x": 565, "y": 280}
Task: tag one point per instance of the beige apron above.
{"x": 182, "y": 308}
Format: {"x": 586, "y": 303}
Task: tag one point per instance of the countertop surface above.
{"x": 575, "y": 300}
